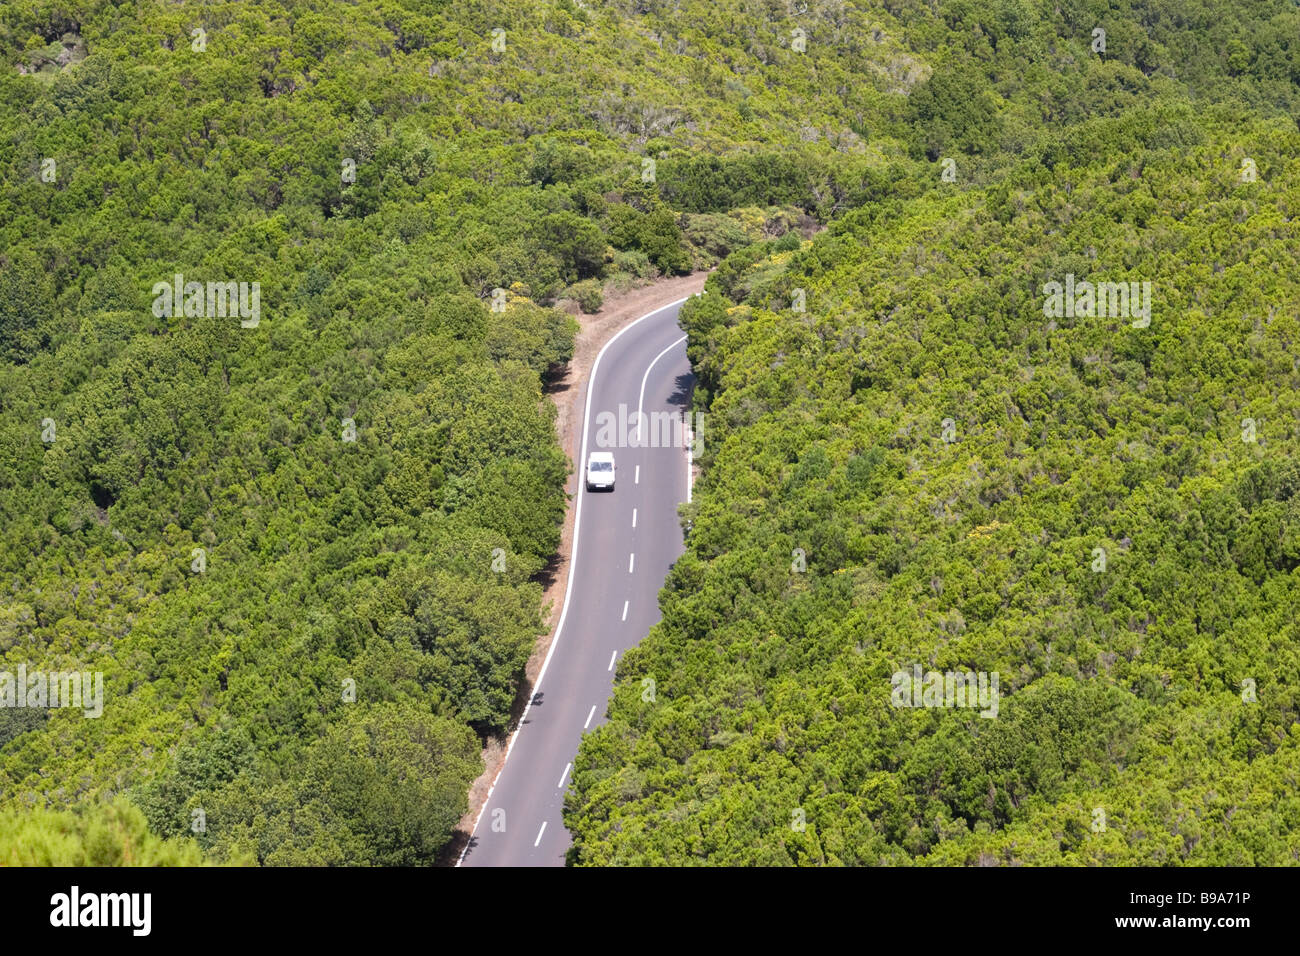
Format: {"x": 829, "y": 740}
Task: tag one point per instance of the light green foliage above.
{"x": 1121, "y": 690}
{"x": 372, "y": 473}
{"x": 111, "y": 834}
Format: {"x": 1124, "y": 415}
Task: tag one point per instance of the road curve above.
{"x": 624, "y": 543}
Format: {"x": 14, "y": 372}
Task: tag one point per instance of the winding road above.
{"x": 624, "y": 543}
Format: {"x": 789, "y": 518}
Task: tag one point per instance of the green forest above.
{"x": 307, "y": 550}
{"x": 1105, "y": 513}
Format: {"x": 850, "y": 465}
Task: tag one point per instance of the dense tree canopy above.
{"x": 311, "y": 537}
{"x": 1104, "y": 512}
{"x": 303, "y": 543}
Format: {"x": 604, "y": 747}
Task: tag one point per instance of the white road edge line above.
{"x": 611, "y": 661}
{"x": 690, "y": 461}
{"x": 567, "y": 768}
{"x": 539, "y": 835}
{"x": 573, "y": 560}
{"x": 645, "y": 378}
{"x": 690, "y": 453}
{"x": 590, "y": 715}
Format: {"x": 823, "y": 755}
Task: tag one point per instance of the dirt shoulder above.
{"x": 569, "y": 394}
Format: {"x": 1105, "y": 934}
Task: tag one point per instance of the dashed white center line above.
{"x": 567, "y": 768}
{"x": 611, "y": 661}
{"x": 631, "y": 560}
{"x": 636, "y": 477}
{"x": 625, "y": 610}
{"x": 589, "y": 716}
{"x": 539, "y": 834}
{"x": 634, "y": 517}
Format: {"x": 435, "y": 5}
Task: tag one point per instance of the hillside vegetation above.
{"x": 307, "y": 553}
{"x": 305, "y": 547}
{"x": 1103, "y": 512}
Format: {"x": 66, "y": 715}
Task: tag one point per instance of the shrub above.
{"x": 588, "y": 294}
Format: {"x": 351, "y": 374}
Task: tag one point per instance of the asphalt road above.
{"x": 624, "y": 543}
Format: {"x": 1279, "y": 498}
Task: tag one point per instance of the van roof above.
{"x": 601, "y": 456}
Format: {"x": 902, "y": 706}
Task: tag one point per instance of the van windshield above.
{"x": 602, "y": 466}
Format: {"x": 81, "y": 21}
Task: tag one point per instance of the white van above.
{"x": 600, "y": 470}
